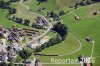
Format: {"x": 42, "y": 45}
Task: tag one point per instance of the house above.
{"x": 40, "y": 9}
{"x": 11, "y": 54}
{"x": 44, "y": 39}
{"x": 3, "y": 56}
{"x": 33, "y": 44}
{"x": 37, "y": 63}
{"x": 16, "y": 46}
{"x": 77, "y": 18}
{"x": 28, "y": 62}
{"x": 40, "y": 22}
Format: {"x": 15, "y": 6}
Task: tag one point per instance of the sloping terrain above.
{"x": 88, "y": 26}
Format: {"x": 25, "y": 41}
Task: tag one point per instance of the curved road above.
{"x": 49, "y": 24}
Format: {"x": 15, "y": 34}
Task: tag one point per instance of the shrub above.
{"x": 26, "y": 22}
{"x": 12, "y": 10}
{"x": 61, "y": 13}
{"x": 95, "y": 13}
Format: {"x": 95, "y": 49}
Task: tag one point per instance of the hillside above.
{"x": 88, "y": 26}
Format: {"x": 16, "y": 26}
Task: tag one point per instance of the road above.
{"x": 49, "y": 24}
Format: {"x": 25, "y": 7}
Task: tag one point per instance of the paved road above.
{"x": 49, "y": 24}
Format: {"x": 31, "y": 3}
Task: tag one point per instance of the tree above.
{"x": 96, "y": 0}
{"x": 45, "y": 45}
{"x": 14, "y": 0}
{"x": 76, "y": 5}
{"x": 58, "y": 39}
{"x": 61, "y": 29}
{"x": 13, "y": 18}
{"x": 41, "y": 0}
{"x": 18, "y": 58}
{"x": 61, "y": 13}
{"x": 82, "y": 3}
{"x": 25, "y": 53}
{"x": 18, "y": 20}
{"x": 26, "y": 22}
{"x": 88, "y": 2}
{"x": 95, "y": 13}
{"x": 4, "y": 5}
{"x": 12, "y": 10}
{"x": 42, "y": 46}
{"x": 38, "y": 49}
{"x": 52, "y": 14}
{"x": 11, "y": 64}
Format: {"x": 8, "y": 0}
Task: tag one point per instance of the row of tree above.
{"x": 55, "y": 16}
{"x": 61, "y": 29}
{"x": 85, "y": 3}
{"x": 21, "y": 20}
{"x": 14, "y": 0}
{"x": 26, "y": 53}
{"x": 51, "y": 42}
{"x": 4, "y": 5}
{"x": 96, "y": 0}
{"x": 41, "y": 0}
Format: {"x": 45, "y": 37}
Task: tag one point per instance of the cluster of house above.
{"x": 40, "y": 22}
{"x": 40, "y": 9}
{"x": 8, "y": 52}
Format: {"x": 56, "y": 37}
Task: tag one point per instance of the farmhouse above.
{"x": 40, "y": 22}
{"x": 77, "y": 18}
{"x": 44, "y": 40}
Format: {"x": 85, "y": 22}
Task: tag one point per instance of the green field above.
{"x": 63, "y": 48}
{"x": 88, "y": 26}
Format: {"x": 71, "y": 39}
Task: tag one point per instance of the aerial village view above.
{"x": 49, "y": 32}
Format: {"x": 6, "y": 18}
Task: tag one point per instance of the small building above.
{"x": 11, "y": 54}
{"x": 16, "y": 46}
{"x": 37, "y": 63}
{"x": 77, "y": 18}
{"x": 44, "y": 39}
{"x": 40, "y": 9}
{"x": 88, "y": 39}
{"x": 33, "y": 44}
